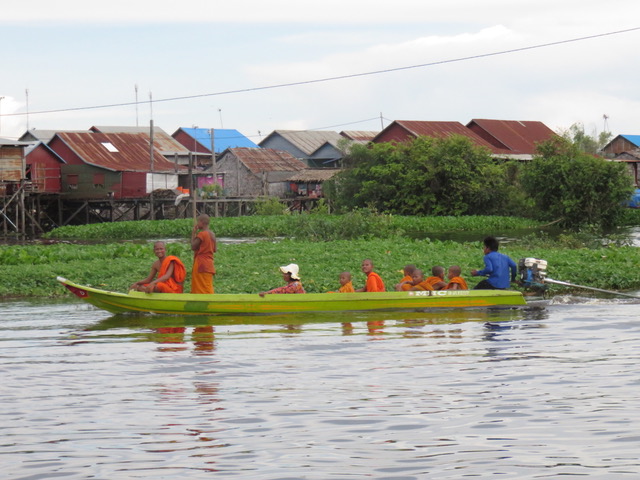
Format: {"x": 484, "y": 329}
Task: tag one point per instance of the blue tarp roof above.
{"x": 223, "y": 138}
{"x": 635, "y": 139}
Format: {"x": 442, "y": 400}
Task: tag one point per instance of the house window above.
{"x": 98, "y": 180}
{"x": 72, "y": 181}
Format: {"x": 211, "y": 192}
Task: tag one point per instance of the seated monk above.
{"x": 456, "y": 282}
{"x": 346, "y": 286}
{"x": 436, "y": 280}
{"x": 418, "y": 283}
{"x": 405, "y": 282}
{"x": 374, "y": 282}
{"x": 169, "y": 270}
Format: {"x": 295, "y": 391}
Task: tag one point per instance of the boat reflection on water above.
{"x": 172, "y": 329}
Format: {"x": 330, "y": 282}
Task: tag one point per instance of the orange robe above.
{"x": 174, "y": 284}
{"x": 374, "y": 283}
{"x": 203, "y": 268}
{"x": 406, "y": 286}
{"x": 423, "y": 285}
{"x": 457, "y": 280}
{"x": 346, "y": 288}
{"x": 433, "y": 280}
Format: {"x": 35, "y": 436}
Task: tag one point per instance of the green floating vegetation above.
{"x": 30, "y": 270}
{"x": 313, "y": 227}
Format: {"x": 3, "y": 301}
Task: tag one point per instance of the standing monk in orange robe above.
{"x": 374, "y": 282}
{"x": 203, "y": 244}
{"x": 169, "y": 270}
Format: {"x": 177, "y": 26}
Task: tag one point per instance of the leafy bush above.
{"x": 427, "y": 176}
{"x": 574, "y": 188}
{"x": 270, "y": 206}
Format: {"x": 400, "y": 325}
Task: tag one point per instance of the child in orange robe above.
{"x": 456, "y": 282}
{"x": 436, "y": 280}
{"x": 405, "y": 282}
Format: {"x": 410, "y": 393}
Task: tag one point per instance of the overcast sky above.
{"x": 72, "y": 55}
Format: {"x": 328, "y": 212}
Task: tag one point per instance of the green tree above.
{"x": 576, "y": 188}
{"x": 586, "y": 143}
{"x": 427, "y": 176}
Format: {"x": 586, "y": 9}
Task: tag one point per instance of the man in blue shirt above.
{"x": 497, "y": 267}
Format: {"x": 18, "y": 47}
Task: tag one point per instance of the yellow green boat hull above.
{"x": 239, "y": 304}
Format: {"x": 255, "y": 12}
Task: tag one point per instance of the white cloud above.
{"x": 538, "y": 14}
{"x": 255, "y": 44}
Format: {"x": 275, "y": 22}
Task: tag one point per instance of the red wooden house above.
{"x": 44, "y": 168}
{"x": 117, "y": 165}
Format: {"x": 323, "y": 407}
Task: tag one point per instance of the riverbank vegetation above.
{"x": 360, "y": 223}
{"x": 113, "y": 264}
{"x": 452, "y": 176}
{"x": 398, "y": 204}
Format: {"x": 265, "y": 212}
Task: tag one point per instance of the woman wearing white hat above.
{"x": 289, "y": 275}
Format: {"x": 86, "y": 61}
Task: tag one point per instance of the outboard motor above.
{"x": 533, "y": 272}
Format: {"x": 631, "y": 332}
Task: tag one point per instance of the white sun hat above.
{"x": 291, "y": 269}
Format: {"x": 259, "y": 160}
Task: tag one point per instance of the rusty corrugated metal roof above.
{"x": 517, "y": 136}
{"x": 437, "y": 129}
{"x": 120, "y": 152}
{"x": 40, "y": 135}
{"x": 161, "y": 139}
{"x": 359, "y": 136}
{"x": 308, "y": 141}
{"x": 267, "y": 160}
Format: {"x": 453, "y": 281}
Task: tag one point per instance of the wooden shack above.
{"x": 115, "y": 165}
{"x": 252, "y": 172}
{"x": 43, "y": 168}
{"x": 12, "y": 162}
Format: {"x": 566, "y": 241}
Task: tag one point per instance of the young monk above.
{"x": 345, "y": 283}
{"x": 289, "y": 275}
{"x": 169, "y": 270}
{"x": 374, "y": 282}
{"x": 418, "y": 282}
{"x": 456, "y": 282}
{"x": 436, "y": 280}
{"x": 203, "y": 244}
{"x": 405, "y": 282}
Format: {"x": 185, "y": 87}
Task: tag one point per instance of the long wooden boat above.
{"x": 199, "y": 304}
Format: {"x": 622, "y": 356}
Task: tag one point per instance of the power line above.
{"x": 339, "y": 77}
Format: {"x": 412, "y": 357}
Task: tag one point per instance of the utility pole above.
{"x": 136, "y": 89}
{"x": 152, "y": 213}
{"x": 214, "y": 170}
{"x": 192, "y": 159}
{"x": 213, "y": 156}
{"x": 1, "y": 98}
{"x": 26, "y": 91}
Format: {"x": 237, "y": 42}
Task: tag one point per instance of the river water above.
{"x": 531, "y": 393}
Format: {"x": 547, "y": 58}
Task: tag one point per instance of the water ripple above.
{"x": 516, "y": 393}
